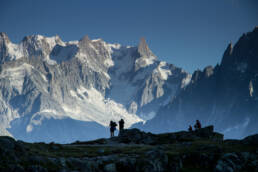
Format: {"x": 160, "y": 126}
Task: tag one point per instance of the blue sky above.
{"x": 188, "y": 33}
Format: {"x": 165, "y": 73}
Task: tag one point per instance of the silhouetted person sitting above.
{"x": 190, "y": 129}
{"x": 197, "y": 125}
{"x": 121, "y": 124}
{"x": 112, "y": 126}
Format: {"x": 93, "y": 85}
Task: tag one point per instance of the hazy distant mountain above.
{"x": 64, "y": 91}
{"x": 225, "y": 95}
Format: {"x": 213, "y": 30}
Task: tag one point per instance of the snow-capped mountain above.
{"x": 64, "y": 91}
{"x": 224, "y": 96}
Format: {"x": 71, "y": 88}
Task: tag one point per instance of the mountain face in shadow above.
{"x": 225, "y": 96}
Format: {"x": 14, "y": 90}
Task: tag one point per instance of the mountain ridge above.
{"x": 44, "y": 78}
{"x": 224, "y": 95}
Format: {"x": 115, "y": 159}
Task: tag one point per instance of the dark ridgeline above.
{"x": 225, "y": 95}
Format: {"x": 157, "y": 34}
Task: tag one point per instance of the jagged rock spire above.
{"x": 227, "y": 54}
{"x": 229, "y": 49}
{"x": 85, "y": 40}
{"x": 143, "y": 48}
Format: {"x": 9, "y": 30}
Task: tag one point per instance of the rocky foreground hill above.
{"x": 134, "y": 150}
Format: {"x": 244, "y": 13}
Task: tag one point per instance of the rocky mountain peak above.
{"x": 143, "y": 44}
{"x": 244, "y": 53}
{"x": 85, "y": 40}
{"x": 143, "y": 48}
{"x": 226, "y": 56}
{"x": 146, "y": 57}
{"x": 32, "y": 39}
{"x": 58, "y": 39}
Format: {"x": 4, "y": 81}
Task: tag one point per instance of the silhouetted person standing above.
{"x": 190, "y": 129}
{"x": 112, "y": 126}
{"x": 121, "y": 124}
{"x": 197, "y": 125}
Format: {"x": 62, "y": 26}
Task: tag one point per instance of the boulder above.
{"x": 205, "y": 132}
{"x": 135, "y": 136}
{"x": 139, "y": 137}
{"x": 208, "y": 133}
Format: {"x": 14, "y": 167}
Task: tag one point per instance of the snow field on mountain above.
{"x": 94, "y": 107}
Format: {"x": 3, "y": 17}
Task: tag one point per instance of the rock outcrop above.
{"x": 136, "y": 136}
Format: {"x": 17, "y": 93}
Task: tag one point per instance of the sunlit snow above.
{"x": 93, "y": 106}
